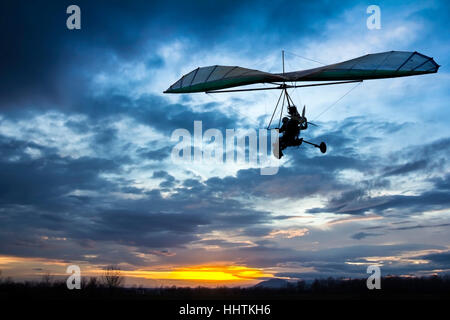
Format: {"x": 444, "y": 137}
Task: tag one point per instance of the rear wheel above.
{"x": 323, "y": 147}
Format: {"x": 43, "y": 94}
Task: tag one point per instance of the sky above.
{"x": 87, "y": 176}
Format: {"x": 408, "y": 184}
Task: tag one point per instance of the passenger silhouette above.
{"x": 290, "y": 130}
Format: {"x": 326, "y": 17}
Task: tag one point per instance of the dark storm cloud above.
{"x": 340, "y": 204}
{"x": 105, "y": 136}
{"x": 222, "y": 243}
{"x": 442, "y": 183}
{"x": 359, "y": 201}
{"x": 430, "y": 200}
{"x": 406, "y": 168}
{"x": 335, "y": 262}
{"x": 38, "y": 200}
{"x": 151, "y": 110}
{"x": 162, "y": 175}
{"x": 144, "y": 229}
{"x": 417, "y": 158}
{"x": 140, "y": 223}
{"x": 385, "y": 229}
{"x": 44, "y": 61}
{"x": 152, "y": 223}
{"x": 47, "y": 180}
{"x": 442, "y": 259}
{"x": 158, "y": 154}
{"x": 341, "y": 270}
{"x": 313, "y": 175}
{"x": 438, "y": 148}
{"x": 13, "y": 148}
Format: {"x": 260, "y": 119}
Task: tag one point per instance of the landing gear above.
{"x": 322, "y": 146}
{"x": 278, "y": 148}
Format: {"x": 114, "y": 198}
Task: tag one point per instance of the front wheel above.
{"x": 323, "y": 147}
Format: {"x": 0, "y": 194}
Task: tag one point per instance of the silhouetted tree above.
{"x": 109, "y": 286}
{"x": 112, "y": 277}
{"x": 301, "y": 285}
{"x": 47, "y": 279}
{"x": 93, "y": 283}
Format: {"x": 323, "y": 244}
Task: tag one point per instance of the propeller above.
{"x": 303, "y": 117}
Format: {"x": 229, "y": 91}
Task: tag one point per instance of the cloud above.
{"x": 49, "y": 58}
{"x": 406, "y": 168}
{"x": 288, "y": 233}
{"x": 442, "y": 259}
{"x": 24, "y": 177}
{"x": 158, "y": 154}
{"x": 353, "y": 219}
{"x": 362, "y": 235}
{"x": 359, "y": 200}
{"x": 68, "y": 197}
{"x": 421, "y": 226}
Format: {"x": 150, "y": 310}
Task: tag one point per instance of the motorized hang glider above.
{"x": 391, "y": 64}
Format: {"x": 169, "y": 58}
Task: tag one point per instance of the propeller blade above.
{"x": 303, "y": 112}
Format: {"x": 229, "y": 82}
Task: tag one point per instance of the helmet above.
{"x": 292, "y": 110}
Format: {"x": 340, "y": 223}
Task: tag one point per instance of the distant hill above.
{"x": 274, "y": 283}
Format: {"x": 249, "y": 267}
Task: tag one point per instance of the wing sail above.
{"x": 220, "y": 77}
{"x": 372, "y": 66}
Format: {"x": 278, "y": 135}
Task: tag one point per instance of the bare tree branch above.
{"x": 112, "y": 277}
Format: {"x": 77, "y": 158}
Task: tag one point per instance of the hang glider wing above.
{"x": 220, "y": 77}
{"x": 372, "y": 66}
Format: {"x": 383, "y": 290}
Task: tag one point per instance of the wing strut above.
{"x": 284, "y": 86}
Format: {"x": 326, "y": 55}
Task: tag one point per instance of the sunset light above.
{"x": 204, "y": 273}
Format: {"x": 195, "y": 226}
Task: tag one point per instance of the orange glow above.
{"x": 6, "y": 261}
{"x": 288, "y": 233}
{"x": 218, "y": 273}
{"x": 203, "y": 273}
